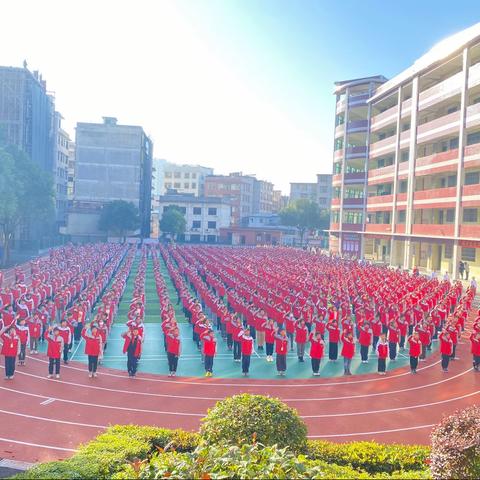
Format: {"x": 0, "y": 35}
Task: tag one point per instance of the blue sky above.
{"x": 237, "y": 85}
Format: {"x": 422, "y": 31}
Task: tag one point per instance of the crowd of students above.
{"x": 265, "y": 302}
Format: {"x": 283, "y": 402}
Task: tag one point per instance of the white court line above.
{"x": 46, "y": 402}
{"x": 53, "y": 420}
{"x": 277, "y": 384}
{"x": 321, "y": 399}
{"x": 75, "y": 351}
{"x": 359, "y": 434}
{"x": 109, "y": 407}
{"x": 40, "y": 445}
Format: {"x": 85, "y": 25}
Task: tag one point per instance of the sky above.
{"x": 237, "y": 85}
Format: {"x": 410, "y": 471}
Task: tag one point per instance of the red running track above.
{"x": 42, "y": 419}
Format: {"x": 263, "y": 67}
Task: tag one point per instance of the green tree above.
{"x": 119, "y": 217}
{"x": 305, "y": 215}
{"x": 173, "y": 221}
{"x": 26, "y": 194}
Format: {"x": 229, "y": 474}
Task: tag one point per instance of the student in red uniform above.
{"x": 393, "y": 339}
{"x": 173, "y": 350}
{"x": 133, "y": 348}
{"x": 10, "y": 349}
{"x": 237, "y": 327}
{"x": 246, "y": 342}
{"x": 365, "y": 339}
{"x": 301, "y": 332}
{"x": 24, "y": 337}
{"x": 348, "y": 351}
{"x": 54, "y": 350}
{"x": 446, "y": 349}
{"x": 415, "y": 348}
{"x": 281, "y": 349}
{"x": 475, "y": 350}
{"x": 66, "y": 333}
{"x": 316, "y": 351}
{"x": 35, "y": 327}
{"x": 93, "y": 344}
{"x": 209, "y": 350}
{"x": 333, "y": 339}
{"x": 382, "y": 354}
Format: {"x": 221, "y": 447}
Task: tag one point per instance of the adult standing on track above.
{"x": 93, "y": 345}
{"x": 133, "y": 348}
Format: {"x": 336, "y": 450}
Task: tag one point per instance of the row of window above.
{"x": 179, "y": 185}
{"x": 468, "y": 254}
{"x": 195, "y": 210}
{"x": 198, "y": 224}
{"x": 179, "y": 175}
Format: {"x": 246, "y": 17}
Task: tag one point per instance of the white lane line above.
{"x": 47, "y": 401}
{"x": 53, "y": 420}
{"x": 40, "y": 445}
{"x": 411, "y": 407}
{"x": 76, "y": 349}
{"x": 110, "y": 407}
{"x": 279, "y": 384}
{"x": 321, "y": 399}
{"x": 359, "y": 434}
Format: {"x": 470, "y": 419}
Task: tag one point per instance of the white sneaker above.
{"x": 90, "y": 375}
{"x": 49, "y": 376}
{"x": 57, "y": 376}
{"x": 95, "y": 375}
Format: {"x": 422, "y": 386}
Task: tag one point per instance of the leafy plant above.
{"x": 248, "y": 418}
{"x": 119, "y": 217}
{"x": 173, "y": 221}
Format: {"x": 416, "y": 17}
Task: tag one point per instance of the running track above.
{"x": 43, "y": 419}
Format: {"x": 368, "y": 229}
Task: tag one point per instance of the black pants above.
{"x": 253, "y": 332}
{"x": 209, "y": 363}
{"x": 382, "y": 364}
{"x": 132, "y": 364}
{"x": 269, "y": 349}
{"x": 245, "y": 363}
{"x": 53, "y": 362}
{"x": 332, "y": 350}
{"x": 402, "y": 342}
{"x": 476, "y": 362}
{"x": 92, "y": 363}
{"x": 10, "y": 366}
{"x": 77, "y": 332}
{"x": 281, "y": 362}
{"x": 364, "y": 352}
{"x": 392, "y": 350}
{"x": 445, "y": 361}
{"x": 172, "y": 362}
{"x": 23, "y": 351}
{"x": 65, "y": 353}
{"x": 454, "y": 350}
{"x": 374, "y": 343}
{"x": 236, "y": 350}
{"x": 413, "y": 364}
{"x": 229, "y": 340}
{"x": 315, "y": 365}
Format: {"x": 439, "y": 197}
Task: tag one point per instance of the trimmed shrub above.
{"x": 456, "y": 445}
{"x": 370, "y": 456}
{"x": 248, "y": 418}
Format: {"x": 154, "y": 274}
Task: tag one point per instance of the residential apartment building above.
{"x": 279, "y": 201}
{"x": 423, "y": 169}
{"x": 60, "y": 171}
{"x": 112, "y": 162}
{"x": 303, "y": 191}
{"x": 183, "y": 178}
{"x": 324, "y": 191}
{"x": 71, "y": 171}
{"x": 262, "y": 197}
{"x": 204, "y": 216}
{"x": 237, "y": 189}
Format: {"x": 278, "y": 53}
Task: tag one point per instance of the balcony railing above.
{"x": 334, "y": 226}
{"x": 376, "y": 199}
{"x": 385, "y": 174}
{"x": 353, "y": 202}
{"x": 433, "y": 229}
{"x": 435, "y": 194}
{"x": 355, "y": 125}
{"x": 353, "y": 227}
{"x": 353, "y": 152}
{"x": 445, "y": 125}
{"x": 379, "y": 227}
{"x": 335, "y": 202}
{"x": 470, "y": 231}
{"x": 437, "y": 158}
{"x": 355, "y": 177}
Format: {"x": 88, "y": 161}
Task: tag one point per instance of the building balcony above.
{"x": 337, "y": 179}
{"x": 440, "y": 127}
{"x": 437, "y": 163}
{"x": 471, "y": 196}
{"x": 381, "y": 175}
{"x": 380, "y": 202}
{"x": 435, "y": 198}
{"x": 358, "y": 100}
{"x": 472, "y": 156}
{"x": 357, "y": 126}
{"x": 338, "y": 154}
{"x": 470, "y": 231}
{"x": 387, "y": 145}
{"x": 473, "y": 115}
{"x": 352, "y": 227}
{"x": 339, "y": 130}
{"x": 358, "y": 177}
{"x": 433, "y": 229}
{"x": 389, "y": 117}
{"x": 378, "y": 228}
{"x": 400, "y": 228}
{"x": 401, "y": 197}
{"x": 356, "y": 152}
{"x": 353, "y": 202}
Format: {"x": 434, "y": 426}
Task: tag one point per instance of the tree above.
{"x": 26, "y": 195}
{"x": 173, "y": 221}
{"x": 119, "y": 217}
{"x": 305, "y": 215}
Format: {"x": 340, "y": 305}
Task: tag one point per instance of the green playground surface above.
{"x": 154, "y": 358}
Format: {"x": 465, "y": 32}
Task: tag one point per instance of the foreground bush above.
{"x": 456, "y": 445}
{"x": 371, "y": 456}
{"x": 243, "y": 418}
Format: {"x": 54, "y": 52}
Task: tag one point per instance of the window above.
{"x": 186, "y": 185}
{"x": 168, "y": 185}
{"x": 197, "y": 210}
{"x": 194, "y": 175}
{"x": 186, "y": 175}
{"x": 176, "y": 185}
{"x": 401, "y": 216}
{"x": 450, "y": 215}
{"x": 212, "y": 225}
{"x": 470, "y": 215}
{"x": 338, "y": 143}
{"x": 168, "y": 174}
{"x": 473, "y": 138}
{"x": 196, "y": 224}
{"x": 194, "y": 185}
{"x": 472, "y": 178}
{"x": 448, "y": 251}
{"x": 468, "y": 254}
{"x": 212, "y": 211}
